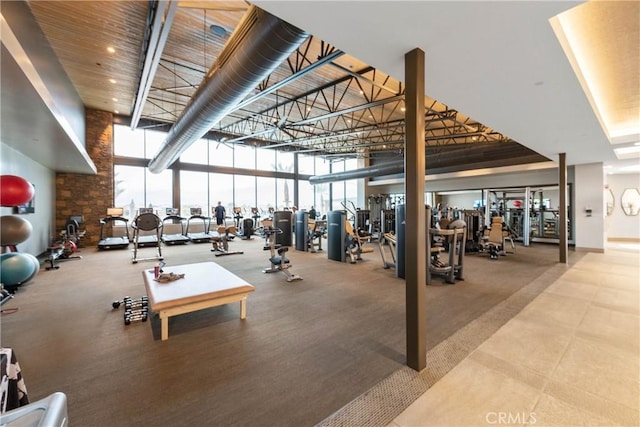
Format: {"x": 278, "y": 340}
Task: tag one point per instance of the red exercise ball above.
{"x": 15, "y": 191}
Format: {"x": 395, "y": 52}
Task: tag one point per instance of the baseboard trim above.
{"x": 624, "y": 239}
{"x": 594, "y": 250}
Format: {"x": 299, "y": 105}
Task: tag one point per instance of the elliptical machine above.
{"x": 278, "y": 259}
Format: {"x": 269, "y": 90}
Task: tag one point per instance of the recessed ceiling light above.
{"x": 218, "y": 30}
{"x": 403, "y": 109}
{"x": 113, "y": 81}
{"x": 111, "y": 50}
{"x": 116, "y": 111}
{"x": 115, "y": 99}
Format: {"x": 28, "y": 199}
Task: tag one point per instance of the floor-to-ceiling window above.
{"x": 158, "y": 191}
{"x": 244, "y": 157}
{"x": 206, "y": 175}
{"x": 220, "y": 154}
{"x": 265, "y": 159}
{"x": 221, "y": 190}
{"x": 245, "y": 192}
{"x": 322, "y": 194}
{"x": 197, "y": 153}
{"x": 337, "y": 188}
{"x": 129, "y": 189}
{"x": 306, "y": 191}
{"x": 266, "y": 195}
{"x": 194, "y": 192}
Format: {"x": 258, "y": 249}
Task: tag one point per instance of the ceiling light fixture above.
{"x": 218, "y": 30}
{"x": 113, "y": 81}
{"x": 111, "y": 49}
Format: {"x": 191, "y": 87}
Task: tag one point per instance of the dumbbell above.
{"x": 136, "y": 303}
{"x": 127, "y": 300}
{"x": 116, "y": 304}
{"x": 135, "y": 316}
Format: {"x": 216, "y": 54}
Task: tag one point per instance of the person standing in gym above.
{"x": 312, "y": 213}
{"x": 220, "y": 213}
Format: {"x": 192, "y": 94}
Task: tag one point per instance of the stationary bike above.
{"x": 278, "y": 259}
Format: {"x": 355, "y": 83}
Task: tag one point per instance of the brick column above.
{"x": 89, "y": 195}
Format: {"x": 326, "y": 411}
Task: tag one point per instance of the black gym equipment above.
{"x": 72, "y": 227}
{"x": 255, "y": 216}
{"x": 145, "y": 223}
{"x": 220, "y": 241}
{"x": 237, "y": 217}
{"x": 282, "y": 220}
{"x": 336, "y": 235}
{"x": 388, "y": 240}
{"x": 142, "y": 225}
{"x": 246, "y": 228}
{"x": 451, "y": 240}
{"x": 113, "y": 242}
{"x": 301, "y": 220}
{"x": 199, "y": 236}
{"x": 174, "y": 238}
{"x": 278, "y": 258}
{"x": 316, "y": 230}
{"x": 62, "y": 250}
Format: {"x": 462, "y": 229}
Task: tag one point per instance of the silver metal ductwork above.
{"x": 369, "y": 172}
{"x": 257, "y": 47}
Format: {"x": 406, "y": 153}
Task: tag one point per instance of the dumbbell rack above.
{"x": 135, "y": 310}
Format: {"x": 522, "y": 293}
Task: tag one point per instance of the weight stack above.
{"x": 336, "y": 235}
{"x": 283, "y": 221}
{"x": 302, "y": 236}
{"x": 247, "y": 227}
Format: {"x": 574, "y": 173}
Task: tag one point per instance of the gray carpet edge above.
{"x": 381, "y": 404}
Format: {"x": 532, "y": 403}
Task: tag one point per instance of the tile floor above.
{"x": 570, "y": 358}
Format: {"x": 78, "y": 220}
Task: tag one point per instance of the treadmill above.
{"x": 107, "y": 243}
{"x": 198, "y": 236}
{"x": 176, "y": 238}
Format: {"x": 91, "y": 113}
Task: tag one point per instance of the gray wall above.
{"x": 13, "y": 162}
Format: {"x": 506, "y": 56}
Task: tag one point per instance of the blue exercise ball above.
{"x": 36, "y": 267}
{"x": 16, "y": 268}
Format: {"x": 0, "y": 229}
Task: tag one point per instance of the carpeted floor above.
{"x": 306, "y": 349}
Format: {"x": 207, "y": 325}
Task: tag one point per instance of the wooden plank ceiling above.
{"x": 340, "y": 109}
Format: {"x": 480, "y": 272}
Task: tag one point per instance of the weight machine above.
{"x": 278, "y": 258}
{"x": 146, "y": 222}
{"x": 220, "y": 241}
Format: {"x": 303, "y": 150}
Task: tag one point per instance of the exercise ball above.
{"x": 14, "y": 229}
{"x": 36, "y": 267}
{"x": 15, "y": 191}
{"x": 16, "y": 268}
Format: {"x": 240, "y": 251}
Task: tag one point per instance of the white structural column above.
{"x": 589, "y": 220}
{"x": 415, "y": 243}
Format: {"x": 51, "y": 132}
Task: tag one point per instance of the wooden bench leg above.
{"x": 243, "y": 308}
{"x": 164, "y": 330}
